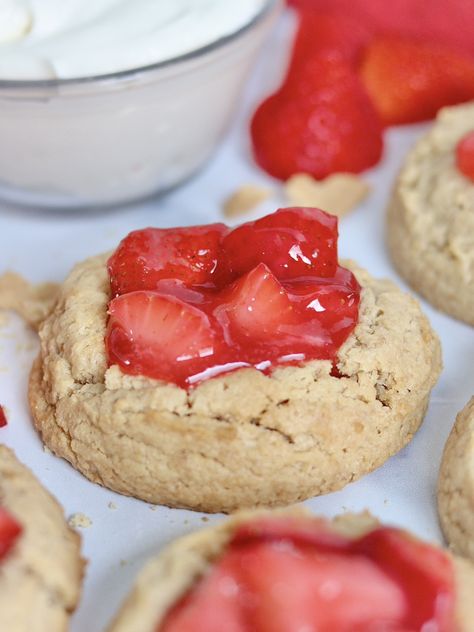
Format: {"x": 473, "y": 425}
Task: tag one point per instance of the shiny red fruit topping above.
{"x": 288, "y": 575}
{"x": 321, "y": 121}
{"x": 409, "y": 81}
{"x": 3, "y": 418}
{"x": 465, "y": 155}
{"x": 190, "y": 255}
{"x": 9, "y": 532}
{"x": 275, "y": 295}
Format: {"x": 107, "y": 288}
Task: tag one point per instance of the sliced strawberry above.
{"x": 320, "y": 122}
{"x": 144, "y": 257}
{"x": 213, "y": 606}
{"x": 302, "y": 590}
{"x": 158, "y": 336}
{"x": 409, "y": 81}
{"x": 448, "y": 22}
{"x": 255, "y": 307}
{"x": 292, "y": 242}
{"x": 3, "y": 417}
{"x": 465, "y": 155}
{"x": 10, "y": 530}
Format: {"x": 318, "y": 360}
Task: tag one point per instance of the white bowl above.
{"x": 110, "y": 139}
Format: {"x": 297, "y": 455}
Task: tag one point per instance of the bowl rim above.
{"x": 129, "y": 73}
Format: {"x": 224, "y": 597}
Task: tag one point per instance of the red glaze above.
{"x": 9, "y": 532}
{"x": 3, "y": 418}
{"x": 321, "y": 121}
{"x": 408, "y": 82}
{"x": 276, "y": 295}
{"x": 465, "y": 155}
{"x": 287, "y": 574}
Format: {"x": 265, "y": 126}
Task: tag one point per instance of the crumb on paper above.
{"x": 112, "y": 505}
{"x": 337, "y": 194}
{"x": 152, "y": 507}
{"x": 31, "y": 302}
{"x": 123, "y": 563}
{"x": 79, "y": 521}
{"x": 204, "y": 519}
{"x": 245, "y": 199}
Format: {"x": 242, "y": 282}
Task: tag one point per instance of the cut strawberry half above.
{"x": 465, "y": 155}
{"x": 255, "y": 307}
{"x": 145, "y": 257}
{"x": 10, "y": 530}
{"x": 320, "y": 122}
{"x": 158, "y": 336}
{"x": 3, "y": 418}
{"x": 292, "y": 242}
{"x": 408, "y": 81}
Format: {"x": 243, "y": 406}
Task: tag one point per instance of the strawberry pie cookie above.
{"x": 456, "y": 484}
{"x": 216, "y": 369}
{"x": 40, "y": 564}
{"x": 290, "y": 571}
{"x": 431, "y": 215}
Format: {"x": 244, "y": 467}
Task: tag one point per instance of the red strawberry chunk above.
{"x": 448, "y": 22}
{"x": 147, "y": 256}
{"x": 292, "y": 242}
{"x": 158, "y": 336}
{"x": 320, "y": 122}
{"x": 292, "y": 574}
{"x": 409, "y": 81}
{"x": 3, "y": 417}
{"x": 465, "y": 155}
{"x": 279, "y": 298}
{"x": 10, "y": 530}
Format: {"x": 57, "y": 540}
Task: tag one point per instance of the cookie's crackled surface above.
{"x": 430, "y": 229}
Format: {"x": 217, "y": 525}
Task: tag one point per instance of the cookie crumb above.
{"x": 204, "y": 519}
{"x": 47, "y": 450}
{"x": 245, "y": 199}
{"x": 79, "y": 520}
{"x": 337, "y": 194}
{"x": 112, "y": 505}
{"x": 123, "y": 563}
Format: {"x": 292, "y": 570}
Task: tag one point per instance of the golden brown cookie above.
{"x": 40, "y": 578}
{"x": 241, "y": 440}
{"x": 171, "y": 574}
{"x": 430, "y": 229}
{"x": 456, "y": 484}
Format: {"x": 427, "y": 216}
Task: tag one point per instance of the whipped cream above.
{"x": 47, "y": 39}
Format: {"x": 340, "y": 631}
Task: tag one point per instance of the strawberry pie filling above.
{"x": 10, "y": 530}
{"x": 295, "y": 574}
{"x": 465, "y": 155}
{"x": 193, "y": 303}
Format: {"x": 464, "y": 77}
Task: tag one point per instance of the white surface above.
{"x": 46, "y": 39}
{"x": 44, "y": 247}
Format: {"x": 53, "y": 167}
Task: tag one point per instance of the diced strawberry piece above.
{"x": 3, "y": 417}
{"x": 158, "y": 336}
{"x": 255, "y": 306}
{"x": 292, "y": 242}
{"x": 448, "y": 22}
{"x": 144, "y": 257}
{"x": 300, "y": 590}
{"x": 425, "y": 573}
{"x": 320, "y": 122}
{"x": 10, "y": 530}
{"x": 213, "y": 606}
{"x": 409, "y": 81}
{"x": 465, "y": 155}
